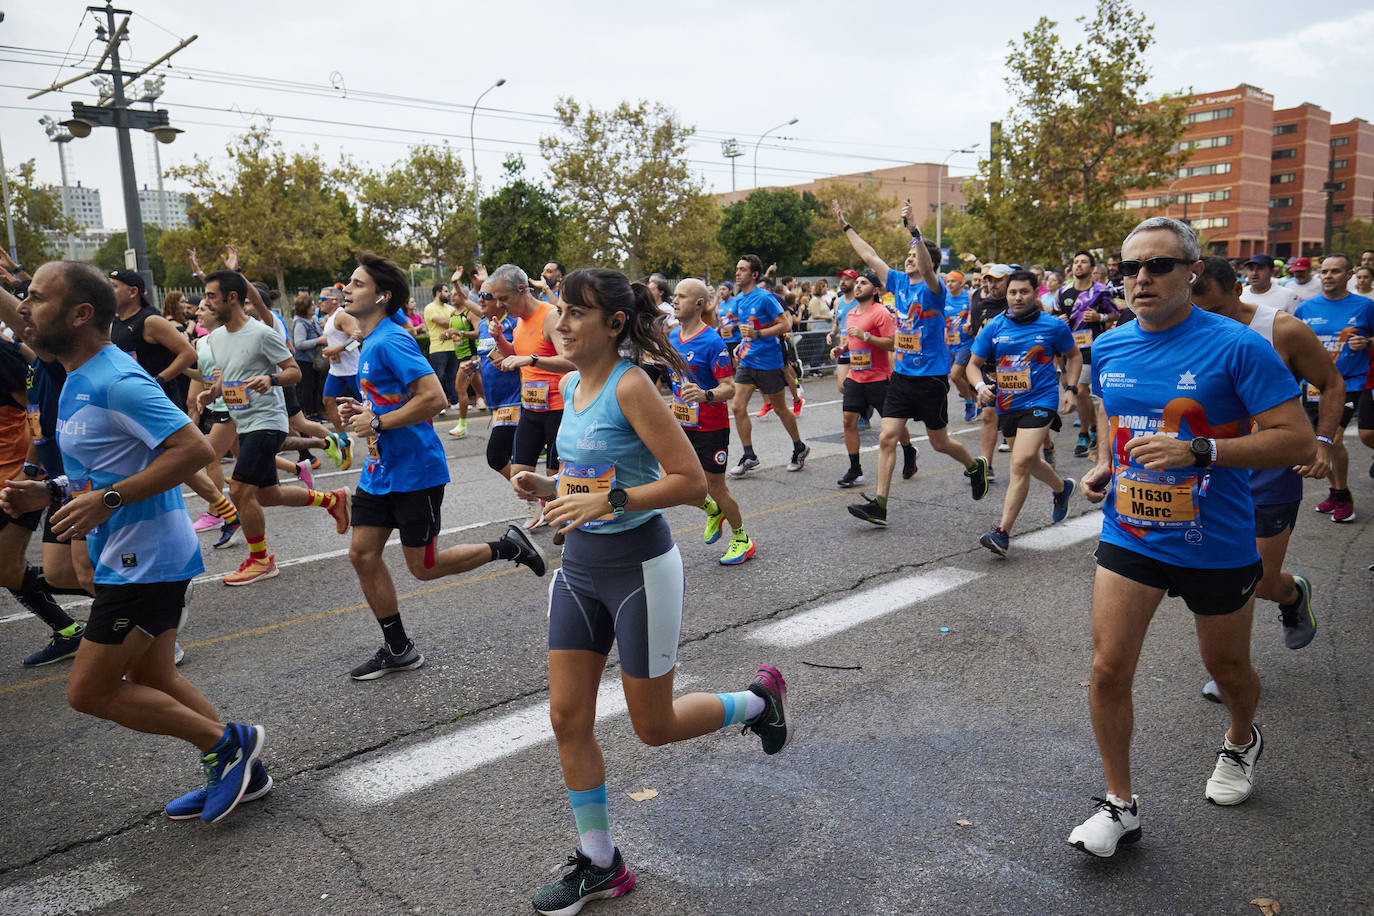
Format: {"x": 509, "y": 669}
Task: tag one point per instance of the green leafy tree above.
{"x": 521, "y": 221}
{"x": 33, "y": 211}
{"x": 284, "y": 211}
{"x": 1355, "y": 236}
{"x": 421, "y": 208}
{"x": 110, "y": 256}
{"x": 631, "y": 199}
{"x": 866, "y": 208}
{"x": 1080, "y": 134}
{"x": 775, "y": 225}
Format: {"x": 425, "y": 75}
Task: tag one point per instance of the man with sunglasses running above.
{"x": 1179, "y": 387}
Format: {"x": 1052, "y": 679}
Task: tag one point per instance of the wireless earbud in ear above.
{"x": 380, "y": 300}
{"x": 1192, "y": 278}
{"x": 615, "y": 325}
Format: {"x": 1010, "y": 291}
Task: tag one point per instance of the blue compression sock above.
{"x": 593, "y": 824}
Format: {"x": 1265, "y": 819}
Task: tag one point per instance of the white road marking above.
{"x": 1065, "y": 534}
{"x": 861, "y": 607}
{"x": 77, "y": 891}
{"x": 389, "y": 776}
{"x": 294, "y": 561}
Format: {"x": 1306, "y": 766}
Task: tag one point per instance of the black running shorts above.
{"x": 1273, "y": 520}
{"x": 1207, "y": 592}
{"x": 118, "y": 610}
{"x": 1030, "y": 418}
{"x": 712, "y": 448}
{"x": 257, "y": 464}
{"x": 918, "y": 397}
{"x": 414, "y": 513}
{"x": 536, "y": 429}
{"x": 1347, "y": 410}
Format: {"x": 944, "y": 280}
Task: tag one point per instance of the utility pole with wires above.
{"x": 113, "y": 110}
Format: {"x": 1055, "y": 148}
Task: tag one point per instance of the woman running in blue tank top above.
{"x": 621, "y": 581}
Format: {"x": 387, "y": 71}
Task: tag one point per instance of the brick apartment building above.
{"x": 1255, "y": 179}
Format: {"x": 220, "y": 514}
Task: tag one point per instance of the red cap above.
{"x": 1300, "y": 264}
{"x": 848, "y": 273}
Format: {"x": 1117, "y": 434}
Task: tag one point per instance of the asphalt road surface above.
{"x": 942, "y": 752}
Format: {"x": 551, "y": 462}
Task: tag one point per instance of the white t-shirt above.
{"x": 1309, "y": 290}
{"x": 1275, "y": 297}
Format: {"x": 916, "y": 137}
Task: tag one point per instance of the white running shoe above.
{"x": 1233, "y": 780}
{"x": 1114, "y": 822}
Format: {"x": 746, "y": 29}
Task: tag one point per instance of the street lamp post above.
{"x": 5, "y": 191}
{"x": 760, "y": 140}
{"x": 940, "y": 197}
{"x": 476, "y": 184}
{"x": 730, "y": 150}
{"x": 61, "y": 136}
{"x": 152, "y": 90}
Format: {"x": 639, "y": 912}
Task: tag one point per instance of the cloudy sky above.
{"x": 351, "y": 83}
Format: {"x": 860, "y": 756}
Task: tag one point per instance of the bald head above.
{"x": 690, "y": 298}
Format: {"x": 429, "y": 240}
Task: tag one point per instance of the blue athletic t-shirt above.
{"x": 920, "y": 346}
{"x": 600, "y": 451}
{"x": 759, "y": 309}
{"x": 406, "y": 458}
{"x": 727, "y": 317}
{"x": 501, "y": 389}
{"x": 956, "y": 313}
{"x": 1335, "y": 321}
{"x": 1205, "y": 376}
{"x": 112, "y": 419}
{"x": 708, "y": 361}
{"x": 44, "y": 385}
{"x": 1022, "y": 354}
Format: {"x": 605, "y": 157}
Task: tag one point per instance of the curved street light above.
{"x": 476, "y": 184}
{"x": 940, "y": 196}
{"x": 760, "y": 140}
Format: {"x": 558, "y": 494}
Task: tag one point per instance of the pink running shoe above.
{"x": 303, "y": 473}
{"x": 206, "y": 522}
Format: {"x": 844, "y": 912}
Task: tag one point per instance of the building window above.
{"x": 1204, "y": 143}
{"x": 1340, "y": 185}
{"x": 1281, "y": 129}
{"x": 1281, "y": 227}
{"x": 1277, "y": 203}
{"x": 1340, "y": 141}
{"x": 1284, "y": 154}
{"x": 1216, "y": 114}
{"x": 1211, "y": 222}
{"x": 1339, "y": 163}
{"x": 1338, "y": 208}
{"x": 1285, "y": 178}
{"x": 1215, "y": 168}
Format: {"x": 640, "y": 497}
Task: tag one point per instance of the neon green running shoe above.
{"x": 331, "y": 448}
{"x": 714, "y": 519}
{"x": 741, "y": 549}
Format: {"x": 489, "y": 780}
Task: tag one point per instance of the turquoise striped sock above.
{"x": 593, "y": 824}
{"x": 740, "y": 707}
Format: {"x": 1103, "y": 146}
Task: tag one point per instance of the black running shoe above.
{"x": 583, "y": 882}
{"x": 530, "y": 555}
{"x": 799, "y": 458}
{"x": 978, "y": 477}
{"x": 384, "y": 663}
{"x": 58, "y": 648}
{"x": 771, "y": 724}
{"x": 851, "y": 478}
{"x": 870, "y": 511}
{"x": 1048, "y": 455}
{"x": 909, "y": 454}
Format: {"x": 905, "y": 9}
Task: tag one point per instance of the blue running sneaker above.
{"x": 1061, "y": 501}
{"x": 193, "y": 803}
{"x": 229, "y": 768}
{"x": 970, "y": 410}
{"x": 996, "y": 540}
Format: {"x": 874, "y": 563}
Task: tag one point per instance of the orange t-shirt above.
{"x": 14, "y": 442}
{"x": 538, "y": 387}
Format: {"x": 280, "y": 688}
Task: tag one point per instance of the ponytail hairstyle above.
{"x": 643, "y": 329}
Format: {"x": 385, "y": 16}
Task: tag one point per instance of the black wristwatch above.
{"x": 710, "y": 395}
{"x": 112, "y": 499}
{"x": 617, "y": 498}
{"x": 1073, "y": 388}
{"x": 1201, "y": 447}
{"x": 534, "y": 359}
{"x": 376, "y": 424}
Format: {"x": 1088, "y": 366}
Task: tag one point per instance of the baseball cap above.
{"x": 1262, "y": 260}
{"x": 848, "y": 273}
{"x": 996, "y": 271}
{"x": 1300, "y": 264}
{"x": 132, "y": 278}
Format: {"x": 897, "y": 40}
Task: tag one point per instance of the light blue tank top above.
{"x": 599, "y": 450}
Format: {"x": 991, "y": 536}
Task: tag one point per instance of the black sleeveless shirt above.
{"x": 127, "y": 335}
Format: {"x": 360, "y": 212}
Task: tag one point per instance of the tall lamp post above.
{"x": 940, "y": 196}
{"x": 61, "y": 136}
{"x": 476, "y": 184}
{"x": 760, "y": 140}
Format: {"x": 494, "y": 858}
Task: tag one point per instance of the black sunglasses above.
{"x": 1157, "y": 267}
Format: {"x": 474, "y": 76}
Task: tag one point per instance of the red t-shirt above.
{"x": 869, "y": 363}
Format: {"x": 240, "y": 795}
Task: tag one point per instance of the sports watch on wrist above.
{"x": 376, "y": 423}
{"x": 1201, "y": 447}
{"x": 617, "y": 498}
{"x": 112, "y": 499}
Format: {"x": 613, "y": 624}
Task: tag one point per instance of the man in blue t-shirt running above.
{"x": 1179, "y": 387}
{"x": 127, "y": 450}
{"x": 402, "y": 484}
